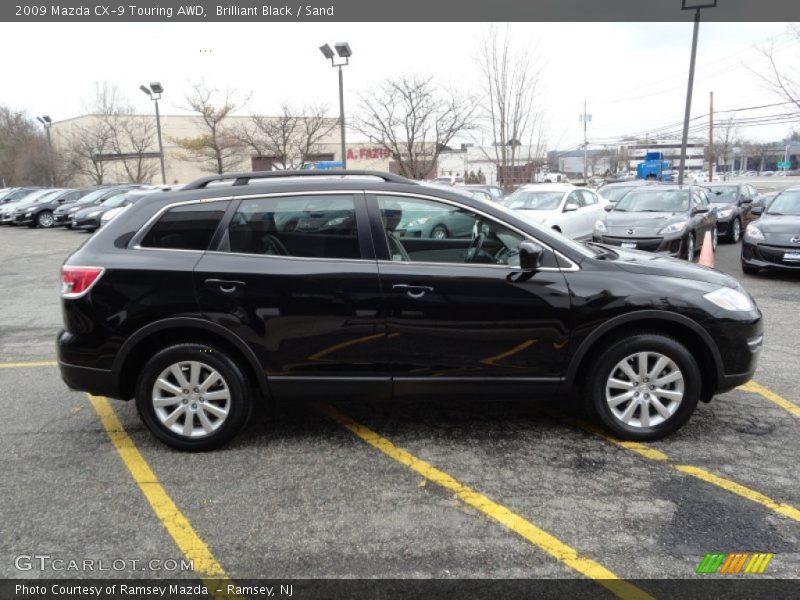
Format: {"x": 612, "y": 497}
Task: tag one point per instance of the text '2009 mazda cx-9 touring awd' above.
{"x": 296, "y": 286}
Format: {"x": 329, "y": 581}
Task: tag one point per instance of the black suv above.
{"x": 296, "y": 286}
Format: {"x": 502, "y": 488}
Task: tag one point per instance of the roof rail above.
{"x": 244, "y": 178}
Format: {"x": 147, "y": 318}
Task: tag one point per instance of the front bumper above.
{"x": 21, "y": 219}
{"x": 61, "y": 219}
{"x": 739, "y": 342}
{"x": 86, "y": 223}
{"x": 7, "y": 219}
{"x": 669, "y": 245}
{"x": 768, "y": 256}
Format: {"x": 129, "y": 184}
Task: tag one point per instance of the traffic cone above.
{"x": 707, "y": 252}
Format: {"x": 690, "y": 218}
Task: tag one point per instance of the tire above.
{"x": 68, "y": 225}
{"x": 45, "y": 219}
{"x": 749, "y": 270}
{"x": 714, "y": 239}
{"x": 600, "y": 393}
{"x": 232, "y": 392}
{"x": 736, "y": 231}
{"x": 439, "y": 232}
{"x": 691, "y": 248}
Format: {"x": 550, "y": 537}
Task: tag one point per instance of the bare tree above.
{"x": 114, "y": 135}
{"x": 289, "y": 138}
{"x": 781, "y": 79}
{"x": 25, "y": 158}
{"x": 218, "y": 148}
{"x": 509, "y": 109}
{"x": 414, "y": 121}
{"x": 725, "y": 140}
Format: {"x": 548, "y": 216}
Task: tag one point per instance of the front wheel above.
{"x": 643, "y": 387}
{"x": 192, "y": 397}
{"x": 736, "y": 231}
{"x": 690, "y": 248}
{"x": 439, "y": 232}
{"x": 45, "y": 219}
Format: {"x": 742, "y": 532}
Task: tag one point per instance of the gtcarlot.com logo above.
{"x": 46, "y": 562}
{"x": 749, "y": 563}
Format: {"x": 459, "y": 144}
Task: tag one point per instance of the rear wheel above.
{"x": 643, "y": 387}
{"x": 45, "y": 219}
{"x": 192, "y": 397}
{"x": 439, "y": 232}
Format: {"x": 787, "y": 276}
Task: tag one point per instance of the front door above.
{"x": 292, "y": 277}
{"x": 461, "y": 314}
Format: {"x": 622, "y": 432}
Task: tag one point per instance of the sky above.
{"x": 632, "y": 75}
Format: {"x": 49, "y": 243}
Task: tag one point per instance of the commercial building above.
{"x": 482, "y": 162}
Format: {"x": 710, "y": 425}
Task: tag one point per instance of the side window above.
{"x": 575, "y": 198}
{"x": 422, "y": 230}
{"x": 312, "y": 226}
{"x": 588, "y": 197}
{"x": 188, "y": 227}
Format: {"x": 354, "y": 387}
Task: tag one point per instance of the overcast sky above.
{"x": 633, "y": 75}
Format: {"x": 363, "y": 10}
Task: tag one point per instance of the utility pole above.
{"x": 711, "y": 139}
{"x": 696, "y": 6}
{"x": 585, "y": 118}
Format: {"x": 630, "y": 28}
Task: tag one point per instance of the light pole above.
{"x": 695, "y": 5}
{"x": 154, "y": 91}
{"x": 343, "y": 50}
{"x": 585, "y": 119}
{"x": 47, "y": 123}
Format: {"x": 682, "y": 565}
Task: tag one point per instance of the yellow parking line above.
{"x": 174, "y": 521}
{"x": 26, "y": 364}
{"x": 757, "y": 388}
{"x": 522, "y": 527}
{"x": 643, "y": 450}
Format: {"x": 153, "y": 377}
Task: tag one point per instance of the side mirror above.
{"x": 571, "y": 206}
{"x": 530, "y": 255}
{"x": 608, "y": 207}
{"x": 757, "y": 210}
{"x": 60, "y": 201}
{"x": 699, "y": 210}
{"x": 747, "y": 200}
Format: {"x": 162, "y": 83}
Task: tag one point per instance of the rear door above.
{"x": 294, "y": 276}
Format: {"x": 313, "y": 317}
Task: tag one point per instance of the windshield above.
{"x": 34, "y": 196}
{"x": 788, "y": 203}
{"x": 533, "y": 200}
{"x": 723, "y": 195}
{"x": 614, "y": 194}
{"x": 91, "y": 197}
{"x": 654, "y": 201}
{"x": 114, "y": 201}
{"x": 48, "y": 197}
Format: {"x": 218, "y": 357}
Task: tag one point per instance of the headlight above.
{"x": 28, "y": 214}
{"x": 724, "y": 214}
{"x": 676, "y": 227}
{"x": 730, "y": 299}
{"x": 600, "y": 226}
{"x": 754, "y": 232}
{"x": 94, "y": 213}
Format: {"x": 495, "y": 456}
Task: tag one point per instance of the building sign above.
{"x": 365, "y": 153}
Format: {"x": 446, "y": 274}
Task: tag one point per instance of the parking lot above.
{"x": 472, "y": 489}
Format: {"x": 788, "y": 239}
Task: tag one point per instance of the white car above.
{"x": 568, "y": 209}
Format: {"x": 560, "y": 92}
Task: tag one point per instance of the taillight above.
{"x": 76, "y": 281}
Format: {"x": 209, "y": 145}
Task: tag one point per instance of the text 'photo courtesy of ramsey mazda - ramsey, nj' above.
{"x": 297, "y": 286}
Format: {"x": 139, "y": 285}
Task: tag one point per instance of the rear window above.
{"x": 189, "y": 227}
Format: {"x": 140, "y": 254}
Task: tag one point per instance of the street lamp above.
{"x": 695, "y": 5}
{"x": 344, "y": 52}
{"x": 154, "y": 92}
{"x": 47, "y": 123}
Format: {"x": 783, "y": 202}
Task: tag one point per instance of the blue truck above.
{"x": 654, "y": 167}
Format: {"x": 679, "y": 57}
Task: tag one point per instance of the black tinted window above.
{"x": 322, "y": 226}
{"x": 186, "y": 227}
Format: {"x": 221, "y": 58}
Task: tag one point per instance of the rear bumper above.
{"x": 93, "y": 381}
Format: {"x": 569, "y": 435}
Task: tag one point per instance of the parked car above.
{"x": 733, "y": 202}
{"x": 773, "y": 241}
{"x": 565, "y": 208}
{"x": 15, "y": 194}
{"x": 63, "y": 215}
{"x": 248, "y": 309}
{"x": 759, "y": 205}
{"x": 25, "y": 196}
{"x": 668, "y": 219}
{"x": 131, "y": 197}
{"x": 88, "y": 218}
{"x": 495, "y": 191}
{"x": 40, "y": 212}
{"x": 612, "y": 192}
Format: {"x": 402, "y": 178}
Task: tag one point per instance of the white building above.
{"x": 482, "y": 160}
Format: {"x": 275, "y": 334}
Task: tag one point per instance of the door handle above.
{"x": 412, "y": 291}
{"x": 225, "y": 285}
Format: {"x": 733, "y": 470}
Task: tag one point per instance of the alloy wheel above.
{"x": 690, "y": 248}
{"x": 439, "y": 233}
{"x": 191, "y": 399}
{"x": 737, "y": 230}
{"x": 714, "y": 238}
{"x": 644, "y": 389}
{"x": 45, "y": 219}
